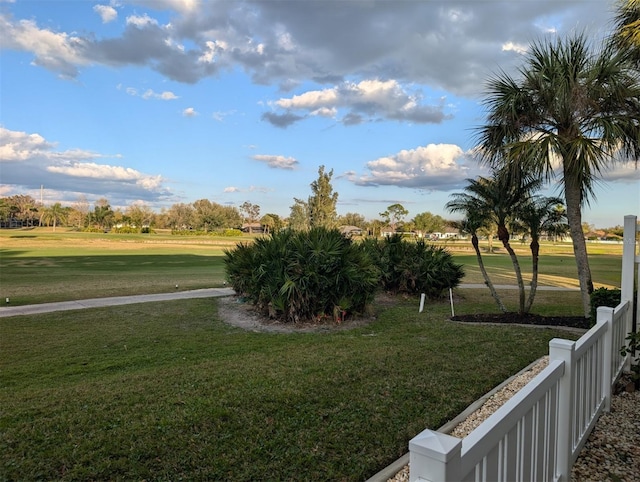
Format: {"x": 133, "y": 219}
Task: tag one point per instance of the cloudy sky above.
{"x": 168, "y": 101}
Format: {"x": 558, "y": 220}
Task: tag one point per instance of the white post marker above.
{"x": 422, "y": 296}
{"x": 451, "y": 299}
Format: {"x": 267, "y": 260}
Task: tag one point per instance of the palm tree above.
{"x": 538, "y": 216}
{"x": 496, "y": 200}
{"x": 569, "y": 107}
{"x": 470, "y": 225}
{"x": 626, "y": 35}
{"x": 55, "y": 214}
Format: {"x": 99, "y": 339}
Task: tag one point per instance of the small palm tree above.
{"x": 539, "y": 216}
{"x": 496, "y": 200}
{"x": 471, "y": 224}
{"x": 569, "y": 107}
{"x": 55, "y": 214}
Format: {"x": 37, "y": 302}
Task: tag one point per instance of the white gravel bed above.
{"x": 612, "y": 452}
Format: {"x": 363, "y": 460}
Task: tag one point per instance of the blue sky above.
{"x": 170, "y": 101}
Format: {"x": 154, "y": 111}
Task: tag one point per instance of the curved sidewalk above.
{"x": 113, "y": 301}
{"x": 178, "y": 295}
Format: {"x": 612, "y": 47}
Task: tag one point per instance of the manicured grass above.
{"x": 39, "y": 266}
{"x": 167, "y": 391}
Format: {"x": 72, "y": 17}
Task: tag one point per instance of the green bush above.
{"x": 414, "y": 267}
{"x": 296, "y": 276}
{"x": 230, "y": 232}
{"x": 604, "y": 297}
{"x": 125, "y": 230}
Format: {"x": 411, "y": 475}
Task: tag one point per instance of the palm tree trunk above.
{"x": 535, "y": 254}
{"x": 485, "y": 275}
{"x": 503, "y": 235}
{"x": 572, "y": 195}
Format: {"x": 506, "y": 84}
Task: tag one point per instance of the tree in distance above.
{"x": 394, "y": 215}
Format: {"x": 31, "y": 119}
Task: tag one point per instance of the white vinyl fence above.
{"x": 537, "y": 435}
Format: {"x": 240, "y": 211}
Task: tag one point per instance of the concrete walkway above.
{"x": 177, "y": 295}
{"x": 113, "y": 301}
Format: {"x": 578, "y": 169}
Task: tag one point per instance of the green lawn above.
{"x": 167, "y": 391}
{"x": 39, "y": 266}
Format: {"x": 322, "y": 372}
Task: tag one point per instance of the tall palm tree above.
{"x": 626, "y": 35}
{"x": 496, "y": 200}
{"x": 570, "y": 107}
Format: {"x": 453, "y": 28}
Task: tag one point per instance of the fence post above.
{"x": 434, "y": 457}
{"x": 605, "y": 315}
{"x": 628, "y": 269}
{"x": 564, "y": 350}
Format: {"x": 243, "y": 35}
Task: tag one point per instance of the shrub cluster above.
{"x": 230, "y": 232}
{"x": 604, "y": 297}
{"x": 295, "y": 275}
{"x": 414, "y": 267}
{"x": 125, "y": 230}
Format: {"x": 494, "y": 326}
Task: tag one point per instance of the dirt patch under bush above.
{"x": 236, "y": 312}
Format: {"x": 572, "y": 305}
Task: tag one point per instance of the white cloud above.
{"x": 141, "y": 21}
{"x": 59, "y": 52}
{"x": 515, "y": 47}
{"x": 311, "y": 100}
{"x": 439, "y": 167}
{"x": 91, "y": 170}
{"x": 189, "y": 112}
{"x": 325, "y": 112}
{"x": 149, "y": 93}
{"x": 183, "y": 6}
{"x": 211, "y": 50}
{"x": 234, "y": 189}
{"x": 106, "y": 12}
{"x": 20, "y": 146}
{"x": 34, "y": 161}
{"x": 277, "y": 162}
{"x": 166, "y": 95}
{"x": 625, "y": 172}
{"x": 367, "y": 100}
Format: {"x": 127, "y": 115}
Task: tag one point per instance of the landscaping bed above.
{"x": 526, "y": 319}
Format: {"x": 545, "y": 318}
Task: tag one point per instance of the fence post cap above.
{"x": 436, "y": 445}
{"x": 562, "y": 343}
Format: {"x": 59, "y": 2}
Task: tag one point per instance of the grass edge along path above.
{"x": 167, "y": 391}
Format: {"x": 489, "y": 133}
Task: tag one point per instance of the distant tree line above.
{"x": 207, "y": 216}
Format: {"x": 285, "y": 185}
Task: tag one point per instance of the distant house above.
{"x": 448, "y": 233}
{"x": 350, "y": 230}
{"x": 255, "y": 228}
